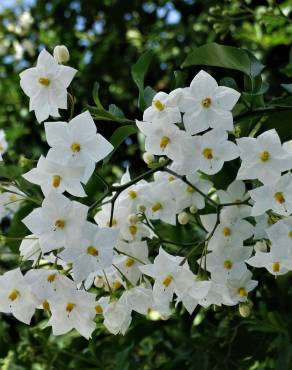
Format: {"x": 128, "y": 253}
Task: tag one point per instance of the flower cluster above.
{"x": 120, "y": 263}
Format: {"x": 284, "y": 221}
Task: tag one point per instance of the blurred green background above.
{"x": 105, "y": 38}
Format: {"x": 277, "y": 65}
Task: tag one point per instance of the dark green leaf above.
{"x": 287, "y": 87}
{"x": 231, "y": 57}
{"x": 138, "y": 71}
{"x": 148, "y": 95}
{"x": 95, "y": 94}
{"x": 116, "y": 111}
{"x": 119, "y": 136}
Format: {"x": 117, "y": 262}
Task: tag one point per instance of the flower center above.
{"x": 44, "y": 81}
{"x": 129, "y": 262}
{"x": 156, "y": 207}
{"x": 158, "y": 105}
{"x": 264, "y": 156}
{"x": 51, "y": 278}
{"x": 290, "y": 234}
{"x": 276, "y": 266}
{"x": 164, "y": 141}
{"x": 70, "y": 307}
{"x": 60, "y": 224}
{"x": 190, "y": 189}
{"x": 13, "y": 295}
{"x": 98, "y": 309}
{"x": 56, "y": 181}
{"x": 206, "y": 102}
{"x": 46, "y": 305}
{"x": 76, "y": 147}
{"x": 227, "y": 231}
{"x": 13, "y": 198}
{"x": 114, "y": 223}
{"x": 133, "y": 230}
{"x": 171, "y": 178}
{"x": 132, "y": 194}
{"x": 242, "y": 292}
{"x": 116, "y": 285}
{"x": 228, "y": 265}
{"x": 92, "y": 251}
{"x": 279, "y": 197}
{"x": 208, "y": 153}
{"x": 167, "y": 280}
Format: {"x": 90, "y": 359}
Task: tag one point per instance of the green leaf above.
{"x": 217, "y": 55}
{"x": 116, "y": 111}
{"x": 178, "y": 79}
{"x": 138, "y": 71}
{"x": 104, "y": 115}
{"x": 287, "y": 87}
{"x": 229, "y": 82}
{"x": 148, "y": 95}
{"x": 118, "y": 137}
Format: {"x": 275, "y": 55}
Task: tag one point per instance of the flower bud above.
{"x": 133, "y": 219}
{"x": 99, "y": 282}
{"x": 61, "y": 54}
{"x": 244, "y": 309}
{"x": 261, "y": 246}
{"x": 148, "y": 158}
{"x": 161, "y": 160}
{"x": 193, "y": 209}
{"x": 141, "y": 208}
{"x": 183, "y": 218}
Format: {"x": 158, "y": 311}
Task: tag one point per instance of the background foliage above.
{"x": 105, "y": 38}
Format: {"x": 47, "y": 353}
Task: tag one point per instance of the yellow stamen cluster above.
{"x": 206, "y": 102}
{"x": 228, "y": 265}
{"x": 56, "y": 181}
{"x": 51, "y": 278}
{"x": 76, "y": 147}
{"x": 190, "y": 189}
{"x": 13, "y": 198}
{"x": 158, "y": 105}
{"x": 116, "y": 285}
{"x": 98, "y": 309}
{"x": 156, "y": 207}
{"x": 264, "y": 156}
{"x": 290, "y": 234}
{"x": 60, "y": 224}
{"x": 44, "y": 81}
{"x": 92, "y": 251}
{"x": 242, "y": 292}
{"x": 276, "y": 266}
{"x": 167, "y": 280}
{"x": 279, "y": 196}
{"x": 46, "y": 305}
{"x": 164, "y": 141}
{"x": 132, "y": 194}
{"x": 208, "y": 153}
{"x": 129, "y": 262}
{"x": 133, "y": 230}
{"x": 13, "y": 295}
{"x": 114, "y": 223}
{"x": 171, "y": 178}
{"x": 227, "y": 231}
{"x": 70, "y": 307}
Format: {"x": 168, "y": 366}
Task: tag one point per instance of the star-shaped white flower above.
{"x": 77, "y": 143}
{"x": 205, "y": 104}
{"x": 46, "y": 85}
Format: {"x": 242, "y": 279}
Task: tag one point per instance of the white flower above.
{"x": 263, "y": 157}
{"x": 46, "y": 85}
{"x": 30, "y": 249}
{"x": 92, "y": 251}
{"x": 276, "y": 196}
{"x": 278, "y": 261}
{"x": 239, "y": 288}
{"x": 76, "y": 143}
{"x": 227, "y": 263}
{"x": 164, "y": 106}
{"x": 3, "y": 144}
{"x": 51, "y": 175}
{"x": 162, "y": 138}
{"x": 15, "y": 296}
{"x": 135, "y": 255}
{"x": 73, "y": 309}
{"x": 57, "y": 222}
{"x": 167, "y": 272}
{"x": 117, "y": 316}
{"x": 207, "y": 153}
{"x": 207, "y": 105}
{"x": 11, "y": 198}
{"x": 236, "y": 193}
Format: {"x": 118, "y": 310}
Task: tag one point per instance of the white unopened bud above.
{"x": 148, "y": 158}
{"x": 193, "y": 209}
{"x": 244, "y": 309}
{"x": 261, "y": 246}
{"x": 61, "y": 54}
{"x": 183, "y": 218}
{"x": 161, "y": 160}
{"x": 99, "y": 282}
{"x": 133, "y": 219}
